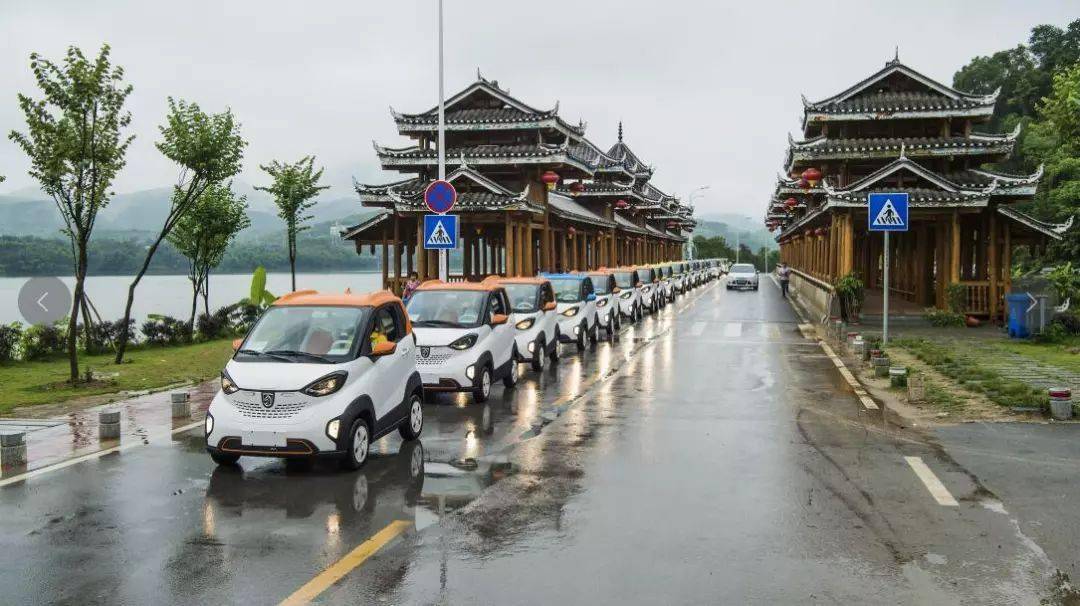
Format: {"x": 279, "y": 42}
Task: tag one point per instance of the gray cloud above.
{"x": 707, "y": 91}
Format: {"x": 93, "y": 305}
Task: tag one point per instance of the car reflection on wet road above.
{"x": 709, "y": 454}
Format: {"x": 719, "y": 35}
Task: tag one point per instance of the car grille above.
{"x": 435, "y": 357}
{"x": 286, "y": 405}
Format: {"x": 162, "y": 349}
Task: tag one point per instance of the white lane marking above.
{"x": 733, "y": 329}
{"x": 931, "y": 481}
{"x": 697, "y": 329}
{"x": 93, "y": 455}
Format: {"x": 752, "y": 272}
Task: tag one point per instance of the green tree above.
{"x": 1055, "y": 141}
{"x": 76, "y": 145}
{"x": 293, "y": 189}
{"x": 208, "y": 149}
{"x": 205, "y": 233}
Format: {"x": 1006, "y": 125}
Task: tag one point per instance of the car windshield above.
{"x": 600, "y": 284}
{"x": 567, "y": 290}
{"x": 742, "y": 268}
{"x": 644, "y": 276}
{"x": 446, "y": 308}
{"x": 322, "y": 335}
{"x": 624, "y": 279}
{"x": 524, "y": 298}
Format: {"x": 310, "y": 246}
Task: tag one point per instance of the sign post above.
{"x": 440, "y": 229}
{"x": 887, "y": 212}
{"x": 444, "y": 257}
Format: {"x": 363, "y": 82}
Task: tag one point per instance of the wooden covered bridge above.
{"x": 900, "y": 131}
{"x": 534, "y": 195}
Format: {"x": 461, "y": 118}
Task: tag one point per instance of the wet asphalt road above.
{"x": 708, "y": 455}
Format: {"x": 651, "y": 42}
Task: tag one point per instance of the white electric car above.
{"x": 630, "y": 297}
{"x": 667, "y": 283}
{"x": 647, "y": 285}
{"x": 741, "y": 276}
{"x": 607, "y": 306}
{"x": 319, "y": 375}
{"x": 535, "y": 319}
{"x": 463, "y": 335}
{"x": 576, "y": 304}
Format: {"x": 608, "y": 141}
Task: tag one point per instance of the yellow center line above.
{"x": 347, "y": 564}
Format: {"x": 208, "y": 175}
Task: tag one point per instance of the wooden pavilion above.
{"x": 534, "y": 195}
{"x": 899, "y": 131}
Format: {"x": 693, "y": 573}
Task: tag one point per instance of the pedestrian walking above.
{"x": 784, "y": 272}
{"x": 412, "y": 284}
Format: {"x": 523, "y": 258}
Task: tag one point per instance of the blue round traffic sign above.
{"x": 440, "y": 196}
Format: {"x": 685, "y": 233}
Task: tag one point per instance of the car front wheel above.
{"x": 222, "y": 458}
{"x": 483, "y": 386}
{"x": 538, "y": 355}
{"x": 511, "y": 377}
{"x": 356, "y": 451}
{"x": 580, "y": 342}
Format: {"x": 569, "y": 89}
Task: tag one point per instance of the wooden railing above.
{"x": 976, "y": 297}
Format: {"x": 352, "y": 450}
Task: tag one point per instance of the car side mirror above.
{"x": 616, "y": 290}
{"x": 591, "y": 297}
{"x": 499, "y": 319}
{"x": 550, "y": 306}
{"x": 237, "y": 343}
{"x": 383, "y": 348}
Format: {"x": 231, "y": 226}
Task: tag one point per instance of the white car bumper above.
{"x": 294, "y": 425}
{"x": 447, "y": 369}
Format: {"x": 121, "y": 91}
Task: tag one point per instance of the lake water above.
{"x": 171, "y": 295}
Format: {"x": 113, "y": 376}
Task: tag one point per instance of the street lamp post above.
{"x": 690, "y": 202}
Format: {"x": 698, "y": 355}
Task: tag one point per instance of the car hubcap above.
{"x": 417, "y": 416}
{"x": 360, "y": 443}
{"x": 513, "y": 371}
{"x": 485, "y": 383}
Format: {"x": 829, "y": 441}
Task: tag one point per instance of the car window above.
{"x": 567, "y": 290}
{"x": 447, "y": 308}
{"x": 305, "y": 334}
{"x": 384, "y": 328}
{"x": 523, "y": 297}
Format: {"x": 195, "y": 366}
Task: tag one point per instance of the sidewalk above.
{"x": 74, "y": 436}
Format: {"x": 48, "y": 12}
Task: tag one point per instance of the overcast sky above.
{"x": 707, "y": 90}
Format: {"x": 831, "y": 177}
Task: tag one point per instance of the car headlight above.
{"x": 209, "y": 421}
{"x": 601, "y": 302}
{"x": 464, "y": 342}
{"x": 332, "y": 429}
{"x": 570, "y": 312}
{"x": 227, "y": 385}
{"x": 525, "y": 324}
{"x": 326, "y": 385}
{"x": 627, "y": 294}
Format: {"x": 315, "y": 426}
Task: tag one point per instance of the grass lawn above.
{"x": 28, "y": 383}
{"x": 1061, "y": 355}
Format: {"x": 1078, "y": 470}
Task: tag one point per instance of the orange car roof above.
{"x": 346, "y": 299}
{"x": 522, "y": 280}
{"x": 489, "y": 283}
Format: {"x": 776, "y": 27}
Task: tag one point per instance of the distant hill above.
{"x": 748, "y": 231}
{"x": 140, "y": 214}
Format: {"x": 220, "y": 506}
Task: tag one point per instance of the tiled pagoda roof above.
{"x": 866, "y": 87}
{"x": 408, "y": 195}
{"x": 887, "y": 102}
{"x": 824, "y": 148}
{"x": 584, "y": 157}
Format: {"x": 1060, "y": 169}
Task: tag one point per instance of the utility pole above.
{"x": 444, "y": 257}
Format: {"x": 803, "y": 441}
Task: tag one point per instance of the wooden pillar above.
{"x": 1006, "y": 257}
{"x": 397, "y": 249}
{"x": 385, "y": 259}
{"x": 466, "y": 254}
{"x": 954, "y": 262}
{"x": 421, "y": 254}
{"x": 509, "y": 247}
{"x": 530, "y": 252}
{"x": 847, "y": 249}
{"x": 993, "y": 269}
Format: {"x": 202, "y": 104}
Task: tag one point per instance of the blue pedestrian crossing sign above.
{"x": 440, "y": 232}
{"x": 888, "y": 212}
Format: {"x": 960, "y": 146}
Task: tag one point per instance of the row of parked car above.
{"x": 324, "y": 375}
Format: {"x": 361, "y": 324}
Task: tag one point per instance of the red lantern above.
{"x": 550, "y": 178}
{"x": 577, "y": 187}
{"x": 570, "y": 230}
{"x": 621, "y": 204}
{"x": 791, "y": 202}
{"x": 672, "y": 225}
{"x": 812, "y": 176}
{"x": 804, "y": 184}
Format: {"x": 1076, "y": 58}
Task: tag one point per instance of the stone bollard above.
{"x": 109, "y": 424}
{"x": 858, "y": 347}
{"x": 916, "y": 389}
{"x": 897, "y": 376}
{"x": 851, "y": 337}
{"x": 181, "y": 405}
{"x": 1060, "y": 403}
{"x": 881, "y": 366}
{"x": 13, "y": 449}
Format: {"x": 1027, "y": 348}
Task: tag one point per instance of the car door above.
{"x": 589, "y": 307}
{"x": 391, "y": 371}
{"x": 502, "y": 337}
{"x": 548, "y": 319}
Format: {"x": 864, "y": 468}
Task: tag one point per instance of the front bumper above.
{"x": 303, "y": 432}
{"x": 526, "y": 344}
{"x": 570, "y": 328}
{"x": 445, "y": 369}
